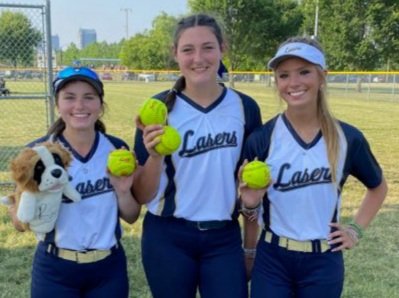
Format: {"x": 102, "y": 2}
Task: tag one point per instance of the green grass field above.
{"x": 372, "y": 269}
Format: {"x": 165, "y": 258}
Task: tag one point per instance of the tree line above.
{"x": 356, "y": 34}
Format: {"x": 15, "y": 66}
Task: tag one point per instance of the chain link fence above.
{"x": 26, "y": 72}
{"x": 25, "y": 96}
{"x": 369, "y": 83}
{"x": 382, "y": 85}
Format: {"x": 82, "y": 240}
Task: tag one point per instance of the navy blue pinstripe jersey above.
{"x": 303, "y": 200}
{"x": 199, "y": 180}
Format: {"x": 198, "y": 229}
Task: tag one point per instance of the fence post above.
{"x": 50, "y": 97}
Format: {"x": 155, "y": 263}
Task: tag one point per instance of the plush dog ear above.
{"x": 62, "y": 152}
{"x": 22, "y": 168}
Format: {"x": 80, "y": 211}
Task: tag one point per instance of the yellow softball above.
{"x": 170, "y": 141}
{"x": 121, "y": 162}
{"x": 256, "y": 174}
{"x": 153, "y": 111}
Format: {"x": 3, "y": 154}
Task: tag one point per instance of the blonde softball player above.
{"x": 311, "y": 154}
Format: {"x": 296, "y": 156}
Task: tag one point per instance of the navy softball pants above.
{"x": 56, "y": 277}
{"x": 180, "y": 259}
{"x": 280, "y": 273}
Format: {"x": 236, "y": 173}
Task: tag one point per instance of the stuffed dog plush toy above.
{"x": 41, "y": 182}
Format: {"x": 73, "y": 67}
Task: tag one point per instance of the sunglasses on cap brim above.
{"x": 80, "y": 73}
{"x": 77, "y": 71}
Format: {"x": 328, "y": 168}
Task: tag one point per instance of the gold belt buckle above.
{"x": 92, "y": 256}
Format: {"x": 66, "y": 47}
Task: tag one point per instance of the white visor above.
{"x": 299, "y": 50}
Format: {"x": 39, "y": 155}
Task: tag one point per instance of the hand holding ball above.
{"x": 153, "y": 111}
{"x": 256, "y": 174}
{"x": 170, "y": 141}
{"x": 121, "y": 162}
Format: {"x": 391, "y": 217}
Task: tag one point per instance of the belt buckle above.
{"x": 91, "y": 256}
{"x": 294, "y": 245}
{"x": 199, "y": 227}
{"x": 301, "y": 246}
{"x": 81, "y": 257}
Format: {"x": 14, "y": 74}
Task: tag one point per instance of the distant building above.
{"x": 86, "y": 37}
{"x": 55, "y": 42}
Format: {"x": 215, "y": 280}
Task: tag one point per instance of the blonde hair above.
{"x": 328, "y": 123}
{"x": 329, "y": 128}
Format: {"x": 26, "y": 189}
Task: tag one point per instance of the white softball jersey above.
{"x": 92, "y": 223}
{"x": 303, "y": 200}
{"x": 199, "y": 182}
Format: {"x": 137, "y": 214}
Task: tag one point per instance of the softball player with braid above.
{"x": 83, "y": 257}
{"x": 191, "y": 236}
{"x": 311, "y": 154}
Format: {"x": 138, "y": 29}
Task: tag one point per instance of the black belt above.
{"x": 207, "y": 225}
{"x": 199, "y": 225}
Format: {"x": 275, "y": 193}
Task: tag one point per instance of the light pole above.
{"x": 127, "y": 10}
{"x": 316, "y": 19}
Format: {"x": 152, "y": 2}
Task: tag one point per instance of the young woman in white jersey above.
{"x": 191, "y": 236}
{"x": 311, "y": 154}
{"x": 83, "y": 256}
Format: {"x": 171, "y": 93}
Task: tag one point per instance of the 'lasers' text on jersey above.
{"x": 207, "y": 143}
{"x": 300, "y": 179}
{"x": 88, "y": 189}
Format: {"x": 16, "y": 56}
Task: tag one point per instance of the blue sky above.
{"x": 107, "y": 17}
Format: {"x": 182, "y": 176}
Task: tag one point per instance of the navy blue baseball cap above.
{"x": 70, "y": 74}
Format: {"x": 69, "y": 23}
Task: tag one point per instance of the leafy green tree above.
{"x": 101, "y": 50}
{"x": 132, "y": 52}
{"x": 97, "y": 50}
{"x": 162, "y": 39}
{"x": 18, "y": 39}
{"x": 70, "y": 55}
{"x": 384, "y": 20}
{"x": 345, "y": 32}
{"x": 151, "y": 49}
{"x": 356, "y": 34}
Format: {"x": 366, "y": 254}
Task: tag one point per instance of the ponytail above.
{"x": 178, "y": 87}
{"x": 56, "y": 128}
{"x": 329, "y": 130}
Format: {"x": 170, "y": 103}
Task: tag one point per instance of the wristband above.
{"x": 352, "y": 233}
{"x": 250, "y": 252}
{"x": 246, "y": 209}
{"x": 249, "y": 212}
{"x": 357, "y": 228}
